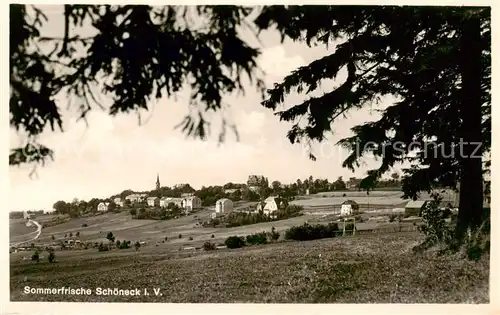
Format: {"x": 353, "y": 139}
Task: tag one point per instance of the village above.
{"x": 378, "y": 210}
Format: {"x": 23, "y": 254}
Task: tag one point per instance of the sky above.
{"x": 112, "y": 154}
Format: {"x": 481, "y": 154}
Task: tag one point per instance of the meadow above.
{"x": 355, "y": 269}
{"x": 365, "y": 268}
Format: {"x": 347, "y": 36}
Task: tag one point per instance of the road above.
{"x": 37, "y": 232}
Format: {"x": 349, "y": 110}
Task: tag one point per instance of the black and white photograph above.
{"x": 265, "y": 154}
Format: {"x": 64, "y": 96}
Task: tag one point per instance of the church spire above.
{"x": 157, "y": 181}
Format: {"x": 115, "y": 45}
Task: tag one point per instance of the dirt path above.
{"x": 37, "y": 232}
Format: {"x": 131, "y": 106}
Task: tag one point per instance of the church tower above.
{"x": 157, "y": 182}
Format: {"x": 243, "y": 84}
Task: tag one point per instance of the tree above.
{"x": 395, "y": 176}
{"x": 52, "y": 257}
{"x": 127, "y": 203}
{"x": 112, "y": 206}
{"x": 92, "y": 204}
{"x": 61, "y": 207}
{"x": 265, "y": 192}
{"x": 110, "y": 237}
{"x": 144, "y": 51}
{"x": 36, "y": 256}
{"x": 437, "y": 64}
{"x": 339, "y": 184}
{"x": 276, "y": 185}
{"x": 257, "y": 181}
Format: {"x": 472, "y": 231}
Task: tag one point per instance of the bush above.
{"x": 258, "y": 238}
{"x": 77, "y": 234}
{"x": 110, "y": 237}
{"x": 180, "y": 235}
{"x": 133, "y": 211}
{"x": 478, "y": 243}
{"x": 103, "y": 248}
{"x": 166, "y": 238}
{"x": 212, "y": 236}
{"x": 209, "y": 246}
{"x": 274, "y": 236}
{"x": 234, "y": 242}
{"x": 70, "y": 234}
{"x": 392, "y": 217}
{"x": 124, "y": 245}
{"x": 84, "y": 225}
{"x": 446, "y": 213}
{"x": 35, "y": 256}
{"x": 118, "y": 243}
{"x": 52, "y": 257}
{"x": 137, "y": 245}
{"x": 308, "y": 232}
{"x": 190, "y": 238}
{"x": 434, "y": 226}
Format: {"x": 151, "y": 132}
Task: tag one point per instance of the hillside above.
{"x": 360, "y": 269}
{"x": 126, "y": 228}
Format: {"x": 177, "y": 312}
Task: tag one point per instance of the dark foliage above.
{"x": 257, "y": 238}
{"x": 234, "y": 242}
{"x": 103, "y": 247}
{"x": 110, "y": 237}
{"x": 209, "y": 246}
{"x": 308, "y": 232}
{"x": 52, "y": 257}
{"x": 35, "y": 256}
{"x": 141, "y": 52}
{"x": 422, "y": 57}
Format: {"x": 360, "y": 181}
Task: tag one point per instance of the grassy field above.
{"x": 366, "y": 268}
{"x": 359, "y": 269}
{"x": 125, "y": 228}
{"x": 152, "y": 231}
{"x": 375, "y": 198}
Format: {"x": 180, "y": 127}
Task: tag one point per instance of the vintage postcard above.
{"x": 266, "y": 154}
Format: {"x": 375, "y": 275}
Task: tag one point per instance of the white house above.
{"x": 165, "y": 201}
{"x": 102, "y": 207}
{"x": 349, "y": 207}
{"x": 133, "y": 198}
{"x": 136, "y": 197}
{"x": 223, "y": 205}
{"x": 272, "y": 204}
{"x": 191, "y": 203}
{"x": 153, "y": 201}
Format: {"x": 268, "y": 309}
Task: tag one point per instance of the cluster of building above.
{"x": 188, "y": 202}
{"x": 269, "y": 206}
